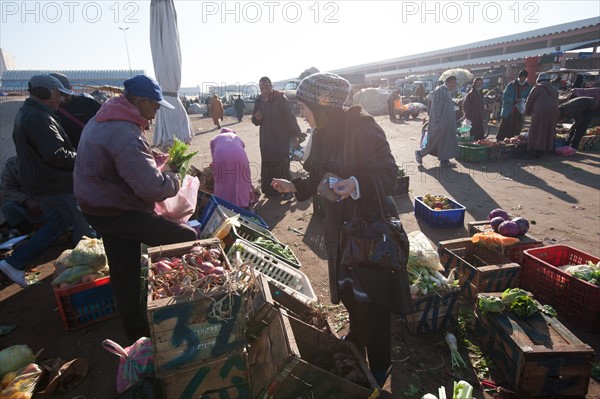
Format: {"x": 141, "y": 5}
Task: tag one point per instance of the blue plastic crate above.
{"x": 211, "y": 205}
{"x": 444, "y": 219}
{"x": 85, "y": 304}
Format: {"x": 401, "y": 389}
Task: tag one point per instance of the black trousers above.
{"x": 578, "y": 131}
{"x": 370, "y": 330}
{"x": 122, "y": 237}
{"x": 511, "y": 126}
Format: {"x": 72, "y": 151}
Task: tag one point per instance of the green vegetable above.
{"x": 15, "y": 357}
{"x": 489, "y": 304}
{"x": 73, "y": 274}
{"x": 510, "y": 294}
{"x": 588, "y": 272}
{"x": 455, "y": 359}
{"x": 548, "y": 310}
{"x": 523, "y": 306}
{"x": 462, "y": 390}
{"x": 276, "y": 248}
{"x": 178, "y": 159}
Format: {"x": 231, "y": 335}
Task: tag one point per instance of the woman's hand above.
{"x": 283, "y": 186}
{"x": 344, "y": 188}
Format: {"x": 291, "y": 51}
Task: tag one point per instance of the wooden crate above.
{"x": 514, "y": 253}
{"x": 539, "y": 355}
{"x": 237, "y": 392}
{"x": 479, "y": 268}
{"x": 299, "y": 309}
{"x": 290, "y": 359}
{"x": 182, "y": 332}
{"x": 228, "y": 372}
{"x": 433, "y": 312}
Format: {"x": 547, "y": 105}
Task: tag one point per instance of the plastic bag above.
{"x": 180, "y": 207}
{"x": 136, "y": 361}
{"x": 89, "y": 252}
{"x": 421, "y": 252}
{"x": 15, "y": 357}
{"x": 424, "y": 139}
{"x": 520, "y": 106}
{"x": 565, "y": 151}
{"x": 22, "y": 386}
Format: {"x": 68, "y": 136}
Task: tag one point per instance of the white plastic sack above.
{"x": 180, "y": 207}
{"x": 421, "y": 252}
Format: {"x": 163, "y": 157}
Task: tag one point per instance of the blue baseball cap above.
{"x": 145, "y": 86}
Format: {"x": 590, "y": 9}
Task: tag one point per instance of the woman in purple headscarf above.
{"x": 231, "y": 169}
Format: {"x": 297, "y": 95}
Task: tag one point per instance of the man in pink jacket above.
{"x": 117, "y": 184}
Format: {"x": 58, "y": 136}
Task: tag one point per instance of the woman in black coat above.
{"x": 350, "y": 144}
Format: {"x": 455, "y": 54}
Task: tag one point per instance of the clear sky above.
{"x": 240, "y": 41}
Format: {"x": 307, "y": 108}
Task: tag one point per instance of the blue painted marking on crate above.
{"x": 198, "y": 378}
{"x": 429, "y": 319}
{"x": 182, "y": 334}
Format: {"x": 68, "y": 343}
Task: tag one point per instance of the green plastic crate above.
{"x": 465, "y": 139}
{"x": 473, "y": 153}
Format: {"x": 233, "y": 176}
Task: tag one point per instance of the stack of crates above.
{"x": 212, "y": 211}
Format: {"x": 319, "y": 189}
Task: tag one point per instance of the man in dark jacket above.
{"x": 21, "y": 211}
{"x": 278, "y": 126}
{"x": 75, "y": 111}
{"x": 581, "y": 109}
{"x": 46, "y": 160}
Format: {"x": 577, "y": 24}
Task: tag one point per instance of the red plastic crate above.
{"x": 575, "y": 299}
{"x": 86, "y": 304}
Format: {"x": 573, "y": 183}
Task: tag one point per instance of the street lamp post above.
{"x": 127, "y": 48}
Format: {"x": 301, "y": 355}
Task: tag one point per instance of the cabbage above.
{"x": 523, "y": 306}
{"x": 510, "y": 294}
{"x": 508, "y": 228}
{"x": 489, "y": 304}
{"x": 15, "y": 357}
{"x": 89, "y": 252}
{"x": 495, "y": 222}
{"x": 498, "y": 212}
{"x": 523, "y": 225}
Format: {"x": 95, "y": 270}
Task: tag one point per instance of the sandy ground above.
{"x": 559, "y": 194}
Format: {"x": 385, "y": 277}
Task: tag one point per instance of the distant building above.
{"x": 82, "y": 80}
{"x": 7, "y": 61}
{"x": 504, "y": 55}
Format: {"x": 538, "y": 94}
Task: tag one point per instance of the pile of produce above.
{"x": 178, "y": 159}
{"x": 275, "y": 248}
{"x": 501, "y": 223}
{"x": 516, "y": 300}
{"x": 490, "y": 143}
{"x": 85, "y": 263}
{"x": 437, "y": 202}
{"x": 520, "y": 139}
{"x": 424, "y": 267}
{"x": 460, "y": 390}
{"x": 589, "y": 272}
{"x": 200, "y": 270}
{"x": 593, "y": 131}
{"x": 348, "y": 367}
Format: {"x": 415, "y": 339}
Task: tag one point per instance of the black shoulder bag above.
{"x": 375, "y": 252}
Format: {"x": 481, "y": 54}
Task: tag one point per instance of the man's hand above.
{"x": 283, "y": 186}
{"x": 258, "y": 116}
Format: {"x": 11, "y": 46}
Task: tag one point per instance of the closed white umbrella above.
{"x": 166, "y": 55}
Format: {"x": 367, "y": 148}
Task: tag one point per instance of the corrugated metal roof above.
{"x": 584, "y": 23}
{"x": 474, "y": 61}
{"x": 75, "y": 76}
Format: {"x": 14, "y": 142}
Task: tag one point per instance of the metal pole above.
{"x": 127, "y": 48}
